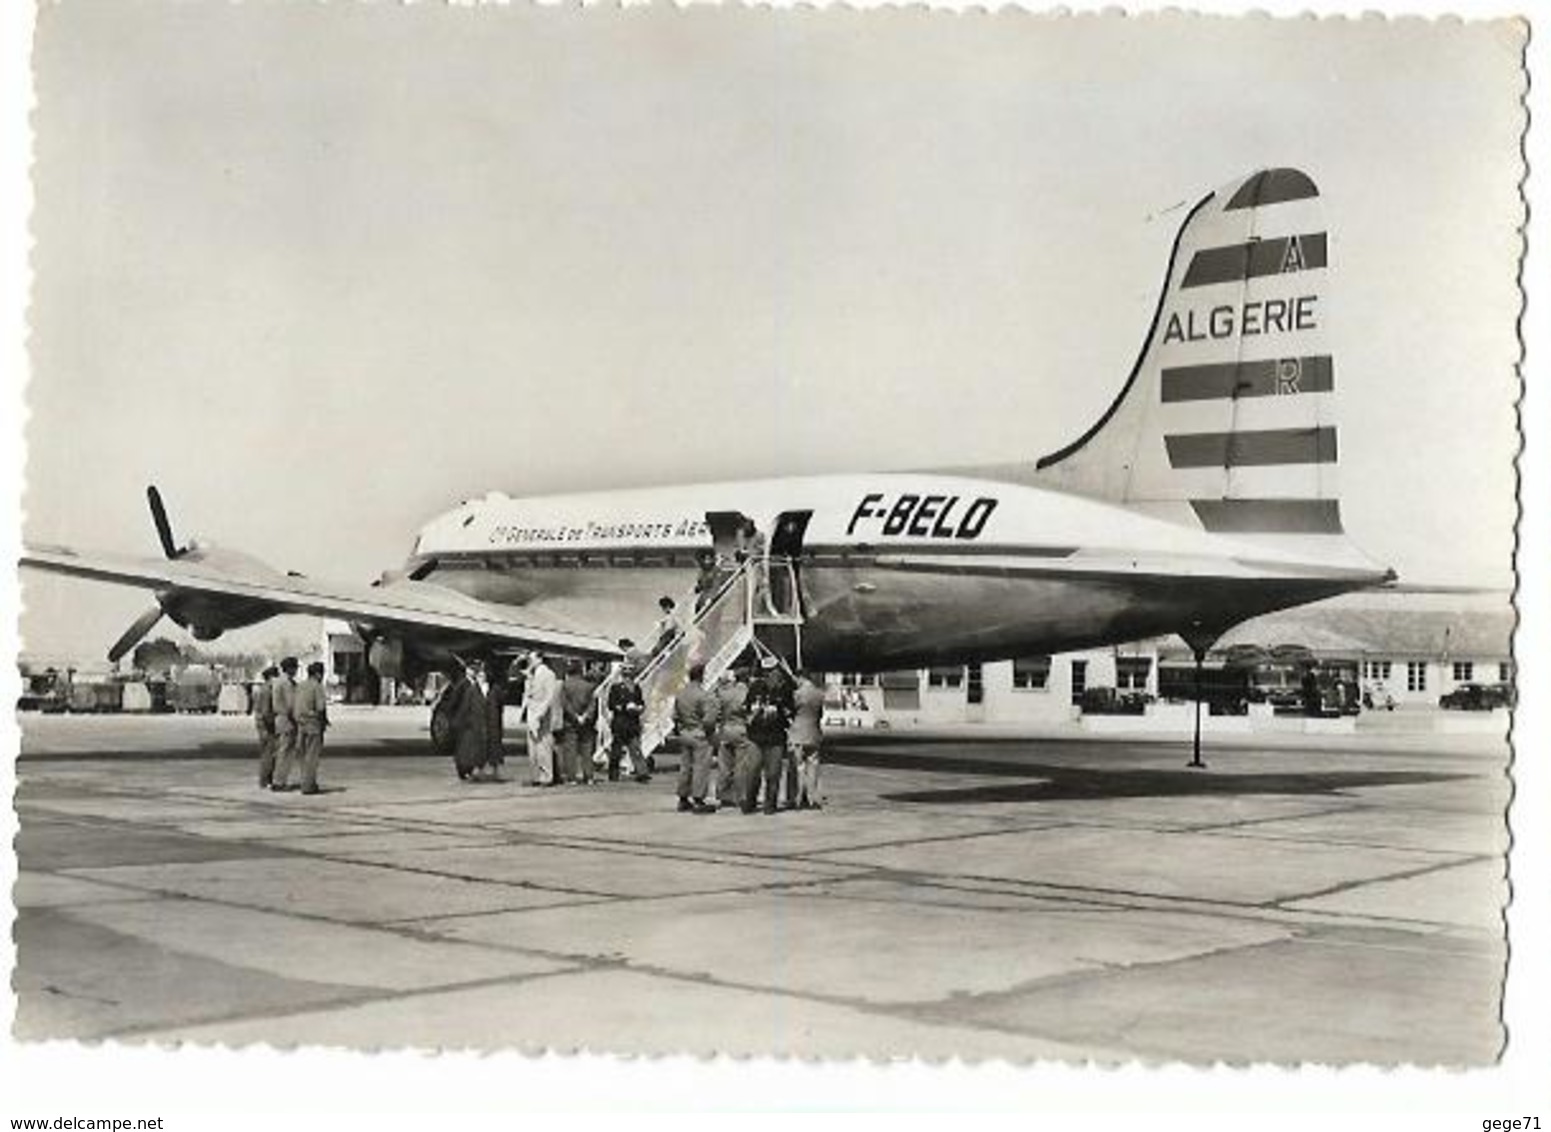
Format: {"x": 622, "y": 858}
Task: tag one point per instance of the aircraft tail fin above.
{"x": 1228, "y": 419}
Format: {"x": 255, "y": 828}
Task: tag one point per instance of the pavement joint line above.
{"x": 914, "y": 1011}
{"x": 773, "y": 887}
{"x": 817, "y": 855}
{"x": 281, "y": 847}
{"x": 1109, "y": 971}
{"x": 1343, "y": 844}
{"x": 1317, "y": 934}
{"x": 691, "y": 854}
{"x": 1096, "y": 968}
{"x": 626, "y": 849}
{"x": 275, "y": 847}
{"x": 1157, "y": 902}
{"x": 268, "y": 853}
{"x": 1405, "y": 874}
{"x": 391, "y": 927}
{"x": 1214, "y": 827}
{"x": 367, "y": 996}
{"x": 904, "y": 1011}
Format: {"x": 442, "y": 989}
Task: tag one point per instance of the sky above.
{"x": 320, "y": 272}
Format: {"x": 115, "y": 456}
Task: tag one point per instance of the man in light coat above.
{"x": 540, "y": 699}
{"x": 805, "y": 737}
{"x": 283, "y": 700}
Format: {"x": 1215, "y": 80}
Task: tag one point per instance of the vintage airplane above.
{"x": 1205, "y": 495}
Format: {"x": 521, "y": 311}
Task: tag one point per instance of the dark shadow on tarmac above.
{"x": 1048, "y": 782}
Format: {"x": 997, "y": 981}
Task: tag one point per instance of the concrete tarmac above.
{"x": 957, "y": 896}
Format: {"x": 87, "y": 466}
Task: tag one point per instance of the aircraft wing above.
{"x": 252, "y": 591}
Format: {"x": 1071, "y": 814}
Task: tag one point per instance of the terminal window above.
{"x": 945, "y": 677}
{"x": 1504, "y": 671}
{"x": 1031, "y": 673}
{"x": 1376, "y": 669}
{"x": 1079, "y": 680}
{"x": 1416, "y": 676}
{"x": 1464, "y": 671}
{"x": 1131, "y": 672}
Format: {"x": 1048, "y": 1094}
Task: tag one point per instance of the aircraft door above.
{"x": 790, "y": 527}
{"x": 786, "y": 559}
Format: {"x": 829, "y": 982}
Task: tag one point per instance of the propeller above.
{"x": 132, "y": 635}
{"x": 163, "y": 528}
{"x": 147, "y": 620}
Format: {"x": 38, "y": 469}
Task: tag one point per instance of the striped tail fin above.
{"x": 1227, "y": 421}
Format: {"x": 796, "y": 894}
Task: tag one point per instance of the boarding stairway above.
{"x": 759, "y": 592}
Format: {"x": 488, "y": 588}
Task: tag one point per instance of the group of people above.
{"x": 569, "y": 734}
{"x": 756, "y": 730}
{"x": 762, "y": 732}
{"x": 291, "y": 717}
{"x": 467, "y": 722}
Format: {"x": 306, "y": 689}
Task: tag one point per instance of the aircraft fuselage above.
{"x": 895, "y": 570}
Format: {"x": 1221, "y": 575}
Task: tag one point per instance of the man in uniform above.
{"x": 806, "y": 734}
{"x": 312, "y": 717}
{"x": 263, "y": 708}
{"x": 627, "y": 709}
{"x": 540, "y": 698}
{"x": 735, "y": 754}
{"x": 283, "y": 702}
{"x": 694, "y": 718}
{"x": 770, "y": 714}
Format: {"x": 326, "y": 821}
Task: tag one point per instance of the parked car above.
{"x": 1113, "y": 701}
{"x": 47, "y": 691}
{"x": 1475, "y": 697}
